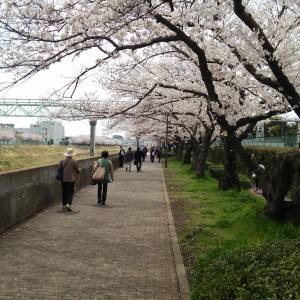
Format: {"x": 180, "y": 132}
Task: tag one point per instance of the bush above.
{"x": 262, "y": 272}
{"x": 217, "y": 171}
{"x": 268, "y": 156}
{"x": 246, "y": 182}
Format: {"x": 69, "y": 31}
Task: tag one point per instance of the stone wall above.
{"x": 26, "y": 192}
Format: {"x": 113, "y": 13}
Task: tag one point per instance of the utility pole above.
{"x": 166, "y": 142}
{"x": 93, "y": 124}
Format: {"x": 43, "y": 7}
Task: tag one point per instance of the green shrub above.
{"x": 215, "y": 171}
{"x": 268, "y": 156}
{"x": 262, "y": 272}
{"x": 246, "y": 182}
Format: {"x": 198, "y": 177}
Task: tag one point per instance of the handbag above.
{"x": 59, "y": 174}
{"x": 93, "y": 182}
{"x": 99, "y": 174}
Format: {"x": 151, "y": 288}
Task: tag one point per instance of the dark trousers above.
{"x": 67, "y": 192}
{"x": 121, "y": 161}
{"x": 102, "y": 191}
{"x": 138, "y": 165}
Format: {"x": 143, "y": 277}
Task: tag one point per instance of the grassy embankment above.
{"x": 25, "y": 156}
{"x": 231, "y": 249}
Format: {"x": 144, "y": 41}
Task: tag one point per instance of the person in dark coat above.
{"x": 138, "y": 159}
{"x": 152, "y": 154}
{"x": 159, "y": 154}
{"x": 121, "y": 156}
{"x": 128, "y": 159}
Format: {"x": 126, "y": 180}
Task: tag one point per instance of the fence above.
{"x": 271, "y": 141}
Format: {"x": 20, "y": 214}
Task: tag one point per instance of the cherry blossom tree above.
{"x": 99, "y": 140}
{"x": 29, "y": 137}
{"x": 245, "y": 55}
{"x": 6, "y": 134}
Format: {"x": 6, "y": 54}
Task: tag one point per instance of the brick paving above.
{"x": 125, "y": 250}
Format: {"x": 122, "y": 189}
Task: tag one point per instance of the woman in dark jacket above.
{"x": 70, "y": 169}
{"x": 138, "y": 159}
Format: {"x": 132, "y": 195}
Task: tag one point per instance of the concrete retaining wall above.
{"x": 25, "y": 192}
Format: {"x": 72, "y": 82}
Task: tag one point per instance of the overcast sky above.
{"x": 43, "y": 84}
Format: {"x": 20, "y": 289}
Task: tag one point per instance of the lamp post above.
{"x": 93, "y": 124}
{"x": 166, "y": 142}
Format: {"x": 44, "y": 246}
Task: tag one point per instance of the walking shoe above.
{"x": 68, "y": 206}
{"x": 64, "y": 207}
{"x": 102, "y": 203}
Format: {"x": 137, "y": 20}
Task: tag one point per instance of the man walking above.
{"x": 121, "y": 157}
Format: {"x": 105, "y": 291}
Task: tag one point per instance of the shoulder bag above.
{"x": 100, "y": 173}
{"x": 60, "y": 169}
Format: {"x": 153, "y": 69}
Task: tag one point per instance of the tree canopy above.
{"x": 208, "y": 67}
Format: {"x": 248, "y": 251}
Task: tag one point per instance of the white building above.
{"x": 48, "y": 130}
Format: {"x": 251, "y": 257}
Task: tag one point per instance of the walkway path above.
{"x": 125, "y": 250}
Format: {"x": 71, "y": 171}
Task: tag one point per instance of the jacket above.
{"x": 70, "y": 169}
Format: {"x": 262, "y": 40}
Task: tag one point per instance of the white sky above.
{"x": 44, "y": 83}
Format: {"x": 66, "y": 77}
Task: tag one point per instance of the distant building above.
{"x": 48, "y": 130}
{"x": 7, "y": 125}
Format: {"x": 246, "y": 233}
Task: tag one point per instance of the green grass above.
{"x": 220, "y": 224}
{"x": 25, "y": 156}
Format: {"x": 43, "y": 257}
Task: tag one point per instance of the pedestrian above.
{"x": 159, "y": 154}
{"x": 152, "y": 154}
{"x": 121, "y": 156}
{"x": 70, "y": 170}
{"x": 108, "y": 177}
{"x": 128, "y": 159}
{"x": 143, "y": 154}
{"x": 145, "y": 151}
{"x": 138, "y": 159}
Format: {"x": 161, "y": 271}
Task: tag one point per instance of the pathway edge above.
{"x": 179, "y": 265}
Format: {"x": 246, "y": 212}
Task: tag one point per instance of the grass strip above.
{"x": 227, "y": 228}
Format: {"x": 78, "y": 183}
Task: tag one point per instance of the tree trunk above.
{"x": 203, "y": 152}
{"x": 195, "y": 155}
{"x": 230, "y": 178}
{"x": 285, "y": 178}
{"x": 188, "y": 152}
{"x": 178, "y": 151}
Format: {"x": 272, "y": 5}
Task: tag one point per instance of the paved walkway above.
{"x": 125, "y": 250}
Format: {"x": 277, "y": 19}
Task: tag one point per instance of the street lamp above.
{"x": 166, "y": 141}
{"x": 93, "y": 124}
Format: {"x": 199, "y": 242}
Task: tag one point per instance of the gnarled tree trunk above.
{"x": 188, "y": 152}
{"x": 285, "y": 178}
{"x": 230, "y": 178}
{"x": 178, "y": 150}
{"x": 203, "y": 152}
